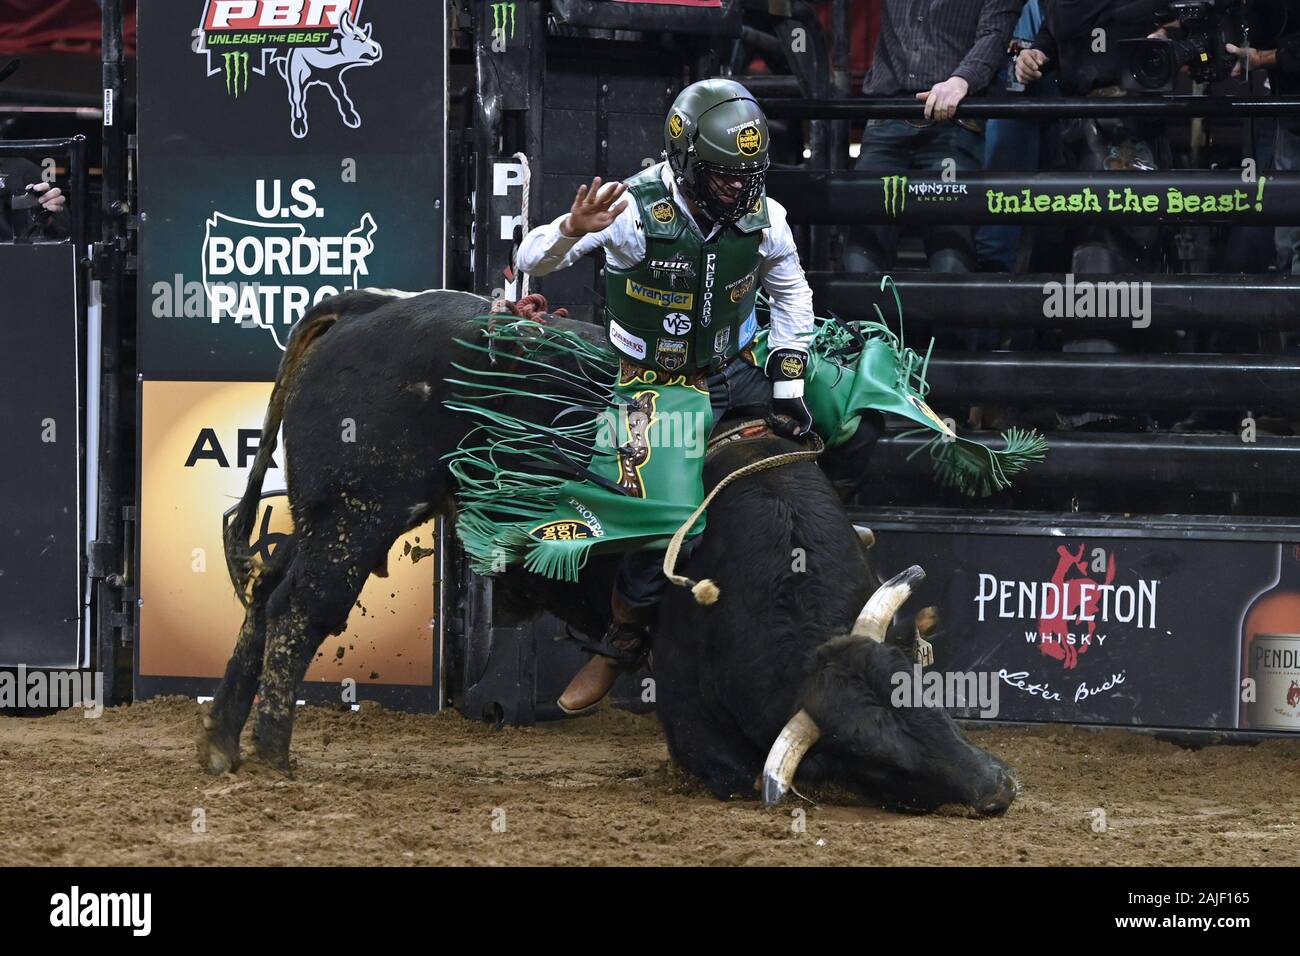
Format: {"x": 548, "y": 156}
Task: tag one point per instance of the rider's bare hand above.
{"x": 594, "y": 208}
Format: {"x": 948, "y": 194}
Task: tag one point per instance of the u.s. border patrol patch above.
{"x": 675, "y": 125}
{"x": 663, "y": 211}
{"x": 749, "y": 140}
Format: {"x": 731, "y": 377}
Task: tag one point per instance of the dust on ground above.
{"x": 379, "y": 787}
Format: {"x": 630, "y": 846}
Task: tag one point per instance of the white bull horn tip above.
{"x": 795, "y": 739}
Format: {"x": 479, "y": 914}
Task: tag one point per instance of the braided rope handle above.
{"x": 706, "y": 591}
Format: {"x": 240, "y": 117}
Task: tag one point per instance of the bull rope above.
{"x": 706, "y": 591}
{"x": 523, "y": 216}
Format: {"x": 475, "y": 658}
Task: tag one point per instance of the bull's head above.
{"x": 355, "y": 43}
{"x": 913, "y": 758}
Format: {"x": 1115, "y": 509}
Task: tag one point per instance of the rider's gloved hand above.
{"x": 785, "y": 368}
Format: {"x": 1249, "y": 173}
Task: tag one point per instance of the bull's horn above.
{"x": 783, "y": 759}
{"x": 884, "y": 604}
{"x": 866, "y": 536}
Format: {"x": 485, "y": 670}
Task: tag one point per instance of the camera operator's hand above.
{"x": 1255, "y": 59}
{"x": 941, "y": 99}
{"x": 593, "y": 208}
{"x": 1029, "y": 65}
{"x": 51, "y": 198}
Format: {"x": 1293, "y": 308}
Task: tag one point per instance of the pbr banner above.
{"x": 199, "y": 441}
{"x": 288, "y": 150}
{"x": 1111, "y": 630}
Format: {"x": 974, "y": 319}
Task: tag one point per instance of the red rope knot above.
{"x": 532, "y": 306}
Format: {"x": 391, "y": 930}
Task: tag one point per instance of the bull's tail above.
{"x": 239, "y": 556}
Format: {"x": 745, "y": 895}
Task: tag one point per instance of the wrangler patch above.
{"x": 668, "y": 298}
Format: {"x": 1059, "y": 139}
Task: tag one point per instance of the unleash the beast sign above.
{"x": 309, "y": 43}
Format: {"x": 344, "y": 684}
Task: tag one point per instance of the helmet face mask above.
{"x": 726, "y": 193}
{"x": 715, "y": 140}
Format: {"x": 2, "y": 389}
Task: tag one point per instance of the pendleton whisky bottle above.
{"x": 1270, "y": 650}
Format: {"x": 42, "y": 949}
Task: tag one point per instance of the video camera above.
{"x": 18, "y": 197}
{"x": 1152, "y": 65}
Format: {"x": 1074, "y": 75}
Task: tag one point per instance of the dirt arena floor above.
{"x": 377, "y": 787}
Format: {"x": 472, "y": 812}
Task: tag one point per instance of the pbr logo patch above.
{"x": 792, "y": 366}
{"x": 741, "y": 288}
{"x": 677, "y": 323}
{"x": 663, "y": 211}
{"x": 675, "y": 125}
{"x": 671, "y": 354}
{"x": 679, "y": 269}
{"x": 307, "y": 43}
{"x": 749, "y": 140}
{"x": 722, "y": 340}
{"x": 567, "y": 530}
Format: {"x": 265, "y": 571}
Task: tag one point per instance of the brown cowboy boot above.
{"x": 629, "y": 633}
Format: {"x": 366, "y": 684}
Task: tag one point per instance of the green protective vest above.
{"x": 689, "y": 304}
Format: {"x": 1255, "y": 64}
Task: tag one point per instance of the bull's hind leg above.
{"x": 223, "y": 723}
{"x": 323, "y": 582}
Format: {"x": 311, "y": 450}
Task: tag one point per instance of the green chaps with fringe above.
{"x": 635, "y": 457}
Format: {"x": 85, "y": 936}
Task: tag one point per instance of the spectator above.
{"x": 42, "y": 215}
{"x": 940, "y": 53}
{"x": 1080, "y": 43}
{"x": 1016, "y": 145}
{"x": 1276, "y": 29}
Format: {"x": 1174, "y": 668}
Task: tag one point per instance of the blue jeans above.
{"x": 1015, "y": 146}
{"x": 890, "y": 147}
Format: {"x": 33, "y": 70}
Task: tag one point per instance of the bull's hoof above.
{"x": 217, "y": 755}
{"x": 259, "y": 758}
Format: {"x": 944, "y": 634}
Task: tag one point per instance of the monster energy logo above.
{"x": 503, "y": 14}
{"x": 236, "y": 72}
{"x": 895, "y": 194}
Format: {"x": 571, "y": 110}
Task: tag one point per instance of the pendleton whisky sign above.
{"x": 1090, "y": 627}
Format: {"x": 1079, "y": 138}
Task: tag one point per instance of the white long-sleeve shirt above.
{"x": 546, "y": 249}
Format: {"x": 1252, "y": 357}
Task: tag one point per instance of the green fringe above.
{"x": 500, "y": 504}
{"x": 976, "y": 469}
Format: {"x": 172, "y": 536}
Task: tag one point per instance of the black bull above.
{"x": 360, "y": 393}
